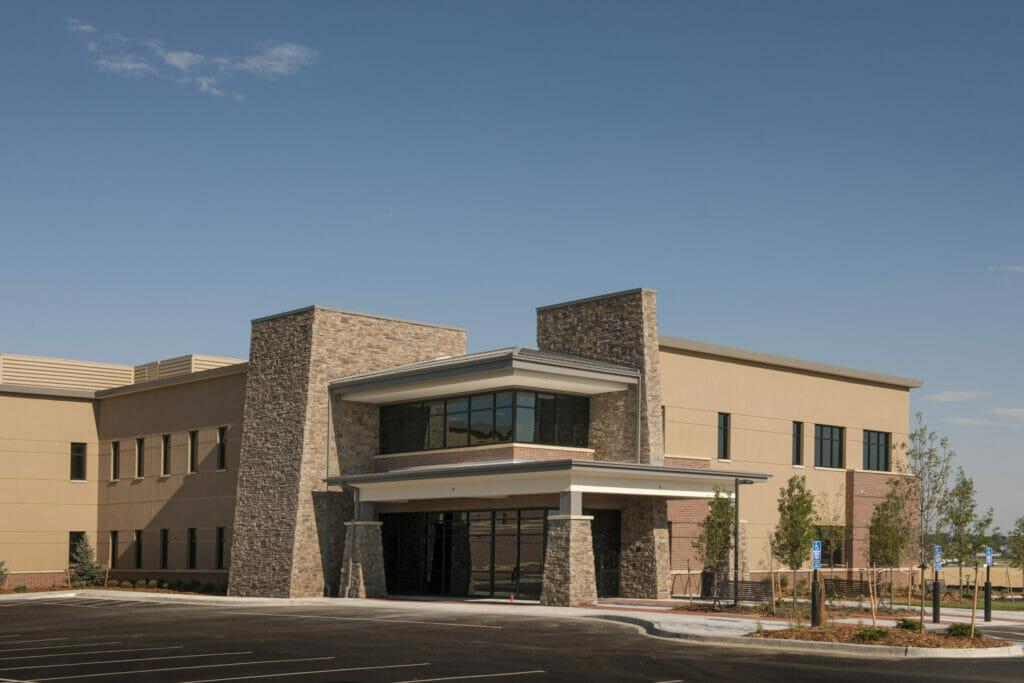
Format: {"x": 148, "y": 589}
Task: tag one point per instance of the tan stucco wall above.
{"x": 763, "y": 402}
{"x": 203, "y": 500}
{"x": 39, "y": 504}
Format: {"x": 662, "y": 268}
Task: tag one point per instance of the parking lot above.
{"x": 71, "y": 639}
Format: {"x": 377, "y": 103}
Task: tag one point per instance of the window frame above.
{"x": 882, "y": 449}
{"x": 221, "y": 543}
{"x": 836, "y": 438}
{"x": 724, "y": 434}
{"x": 576, "y": 406}
{"x": 193, "y": 451}
{"x": 138, "y": 548}
{"x": 74, "y": 538}
{"x": 165, "y": 455}
{"x": 140, "y": 457}
{"x": 222, "y": 448}
{"x": 798, "y": 443}
{"x": 115, "y": 460}
{"x": 82, "y": 460}
{"x": 192, "y": 549}
{"x": 113, "y": 549}
{"x": 165, "y": 543}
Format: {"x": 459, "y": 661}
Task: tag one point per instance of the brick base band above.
{"x": 569, "y": 579}
{"x": 362, "y": 564}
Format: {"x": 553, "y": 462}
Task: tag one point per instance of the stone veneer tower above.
{"x": 281, "y": 546}
{"x": 623, "y": 328}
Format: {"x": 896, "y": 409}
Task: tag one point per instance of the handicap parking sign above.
{"x": 988, "y": 557}
{"x": 816, "y": 555}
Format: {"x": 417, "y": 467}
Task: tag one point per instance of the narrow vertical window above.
{"x": 140, "y": 457}
{"x": 798, "y": 443}
{"x": 78, "y": 461}
{"x": 192, "y": 550}
{"x": 115, "y": 460}
{"x": 164, "y": 540}
{"x": 138, "y": 548}
{"x": 113, "y": 550}
{"x": 222, "y": 448}
{"x": 723, "y": 436}
{"x": 220, "y": 547}
{"x": 165, "y": 447}
{"x": 193, "y": 451}
{"x": 74, "y": 538}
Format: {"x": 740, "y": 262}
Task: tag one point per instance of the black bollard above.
{"x": 935, "y": 599}
{"x": 988, "y": 594}
{"x": 815, "y": 601}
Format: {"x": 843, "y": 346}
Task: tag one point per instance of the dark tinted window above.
{"x": 723, "y": 436}
{"x": 192, "y": 549}
{"x": 115, "y": 460}
{"x": 78, "y": 461}
{"x": 497, "y": 417}
{"x": 798, "y": 443}
{"x": 113, "y": 550}
{"x": 876, "y": 450}
{"x": 74, "y": 537}
{"x": 220, "y": 547}
{"x": 164, "y": 542}
{"x": 222, "y": 448}
{"x": 828, "y": 446}
{"x": 165, "y": 451}
{"x": 138, "y": 548}
{"x": 140, "y": 457}
{"x": 193, "y": 451}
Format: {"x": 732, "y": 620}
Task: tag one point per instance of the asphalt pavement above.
{"x": 155, "y": 640}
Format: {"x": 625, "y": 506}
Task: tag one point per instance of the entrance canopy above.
{"x": 526, "y": 477}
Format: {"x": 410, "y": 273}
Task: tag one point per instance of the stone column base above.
{"x": 362, "y": 562}
{"x": 645, "y": 561}
{"x": 569, "y": 579}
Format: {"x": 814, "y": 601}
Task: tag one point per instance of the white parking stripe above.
{"x": 57, "y": 647}
{"x": 146, "y": 659}
{"x": 462, "y": 678}
{"x": 87, "y": 652}
{"x": 38, "y": 640}
{"x": 183, "y": 668}
{"x": 307, "y": 673}
{"x": 363, "y": 619}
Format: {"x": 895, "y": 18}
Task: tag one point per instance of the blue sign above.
{"x": 988, "y": 557}
{"x": 816, "y": 555}
{"x": 938, "y": 558}
{"x": 815, "y": 565}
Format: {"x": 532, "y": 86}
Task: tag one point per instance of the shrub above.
{"x": 177, "y": 585}
{"x": 961, "y": 630}
{"x": 152, "y": 583}
{"x": 208, "y": 588}
{"x": 193, "y": 586}
{"x": 783, "y": 583}
{"x": 126, "y": 584}
{"x": 21, "y": 588}
{"x": 909, "y": 624}
{"x": 869, "y": 635}
{"x": 166, "y": 586}
{"x": 140, "y": 583}
{"x": 85, "y": 570}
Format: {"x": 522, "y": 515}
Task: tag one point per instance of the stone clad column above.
{"x": 569, "y": 579}
{"x": 362, "y": 562}
{"x": 645, "y": 560}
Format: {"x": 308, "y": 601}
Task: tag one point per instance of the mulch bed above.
{"x": 898, "y": 637}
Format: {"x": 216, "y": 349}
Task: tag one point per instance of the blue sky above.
{"x": 834, "y": 181}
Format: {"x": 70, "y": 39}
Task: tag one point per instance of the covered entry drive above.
{"x": 567, "y": 555}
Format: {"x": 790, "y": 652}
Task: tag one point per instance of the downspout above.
{"x": 639, "y": 409}
{"x": 327, "y": 481}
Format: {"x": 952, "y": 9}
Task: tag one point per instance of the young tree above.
{"x": 930, "y": 461}
{"x": 792, "y": 538}
{"x": 1015, "y": 545}
{"x": 830, "y": 517}
{"x": 716, "y": 536}
{"x": 84, "y": 567}
{"x": 890, "y": 534}
{"x": 966, "y": 528}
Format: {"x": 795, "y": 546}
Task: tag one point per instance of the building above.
{"x": 357, "y": 455}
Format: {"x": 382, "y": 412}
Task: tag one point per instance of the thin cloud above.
{"x": 119, "y": 55}
{"x": 1008, "y": 269}
{"x": 1012, "y": 413}
{"x": 954, "y": 396}
{"x": 978, "y": 422}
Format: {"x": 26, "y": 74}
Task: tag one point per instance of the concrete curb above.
{"x": 656, "y": 629}
{"x": 102, "y": 594}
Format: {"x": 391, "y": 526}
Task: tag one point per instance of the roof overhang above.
{"x": 527, "y": 477}
{"x": 485, "y": 372}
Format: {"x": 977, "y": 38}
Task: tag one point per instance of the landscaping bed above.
{"x": 896, "y": 637}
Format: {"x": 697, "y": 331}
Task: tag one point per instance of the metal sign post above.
{"x": 815, "y": 588}
{"x": 935, "y": 585}
{"x": 988, "y": 584}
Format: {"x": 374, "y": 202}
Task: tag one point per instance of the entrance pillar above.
{"x": 362, "y": 562}
{"x": 645, "y": 560}
{"x": 569, "y": 562}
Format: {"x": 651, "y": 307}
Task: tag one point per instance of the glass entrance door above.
{"x": 606, "y": 532}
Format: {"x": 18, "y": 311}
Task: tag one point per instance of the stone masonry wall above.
{"x": 569, "y": 577}
{"x": 645, "y": 561}
{"x": 363, "y": 576}
{"x": 281, "y": 548}
{"x": 620, "y": 328}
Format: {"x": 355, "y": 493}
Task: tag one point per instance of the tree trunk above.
{"x": 794, "y": 590}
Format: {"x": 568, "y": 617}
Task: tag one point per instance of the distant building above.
{"x": 574, "y": 470}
